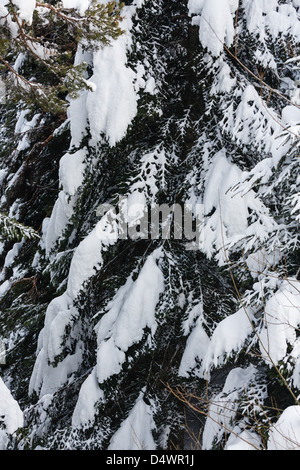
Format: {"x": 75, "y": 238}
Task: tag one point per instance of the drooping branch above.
{"x": 23, "y": 36}
{"x": 20, "y": 77}
{"x": 50, "y": 41}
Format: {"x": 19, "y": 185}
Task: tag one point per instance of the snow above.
{"x": 12, "y": 254}
{"x": 229, "y": 201}
{"x": 77, "y": 112}
{"x": 23, "y": 127}
{"x": 108, "y": 228}
{"x": 281, "y": 322}
{"x": 253, "y": 122}
{"x": 197, "y": 342}
{"x": 3, "y": 174}
{"x": 195, "y": 350}
{"x": 131, "y": 313}
{"x": 19, "y": 61}
{"x": 223, "y": 82}
{"x": 229, "y": 336}
{"x": 7, "y": 19}
{"x": 245, "y": 440}
{"x": 151, "y": 176}
{"x": 8, "y": 262}
{"x": 71, "y": 170}
{"x": 222, "y": 411}
{"x": 291, "y": 115}
{"x": 226, "y": 211}
{"x": 128, "y": 314}
{"x": 285, "y": 433}
{"x": 71, "y": 173}
{"x": 150, "y": 86}
{"x": 57, "y": 223}
{"x": 2, "y": 91}
{"x": 135, "y": 433}
{"x": 26, "y": 9}
{"x": 61, "y": 314}
{"x": 80, "y": 5}
{"x": 231, "y": 210}
{"x": 10, "y": 414}
{"x": 109, "y": 360}
{"x": 295, "y": 356}
{"x": 261, "y": 261}
{"x": 47, "y": 378}
{"x": 107, "y": 110}
{"x": 295, "y": 203}
{"x": 216, "y": 25}
{"x": 267, "y": 15}
{"x": 87, "y": 257}
{"x": 113, "y": 105}
{"x": 58, "y": 314}
{"x": 90, "y": 393}
{"x": 136, "y": 206}
{"x": 77, "y": 115}
{"x": 4, "y": 287}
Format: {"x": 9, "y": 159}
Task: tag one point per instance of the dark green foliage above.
{"x": 47, "y": 73}
{"x": 183, "y": 119}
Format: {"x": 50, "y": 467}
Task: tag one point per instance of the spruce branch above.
{"x": 11, "y": 229}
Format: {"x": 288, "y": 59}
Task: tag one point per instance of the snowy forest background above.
{"x": 145, "y": 344}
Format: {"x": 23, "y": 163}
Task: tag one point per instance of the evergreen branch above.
{"x": 57, "y": 11}
{"x": 11, "y": 229}
{"x": 20, "y": 77}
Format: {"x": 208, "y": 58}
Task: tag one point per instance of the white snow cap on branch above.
{"x": 135, "y": 432}
{"x": 216, "y": 22}
{"x": 26, "y": 9}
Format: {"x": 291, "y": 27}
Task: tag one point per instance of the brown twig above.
{"x": 20, "y": 77}
{"x": 58, "y": 12}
